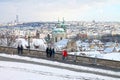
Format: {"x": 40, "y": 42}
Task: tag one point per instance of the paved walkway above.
{"x": 62, "y": 67}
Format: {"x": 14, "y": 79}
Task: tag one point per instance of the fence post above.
{"x": 95, "y": 60}
{"x": 75, "y": 54}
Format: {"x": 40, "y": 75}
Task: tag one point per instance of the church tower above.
{"x": 59, "y": 32}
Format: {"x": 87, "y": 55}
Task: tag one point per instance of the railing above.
{"x": 71, "y": 58}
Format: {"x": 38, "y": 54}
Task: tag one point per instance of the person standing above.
{"x": 64, "y": 54}
{"x": 18, "y": 49}
{"x": 21, "y": 49}
{"x": 47, "y": 52}
{"x": 50, "y": 52}
{"x": 53, "y": 52}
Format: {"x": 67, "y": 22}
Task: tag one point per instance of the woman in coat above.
{"x": 64, "y": 54}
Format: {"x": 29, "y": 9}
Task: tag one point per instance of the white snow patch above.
{"x": 63, "y": 65}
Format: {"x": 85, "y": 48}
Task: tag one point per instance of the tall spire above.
{"x": 17, "y": 19}
{"x": 63, "y": 24}
{"x": 58, "y": 24}
{"x": 58, "y": 20}
{"x": 63, "y": 20}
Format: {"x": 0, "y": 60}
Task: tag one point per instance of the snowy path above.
{"x": 47, "y": 73}
{"x": 23, "y": 71}
{"x": 80, "y": 69}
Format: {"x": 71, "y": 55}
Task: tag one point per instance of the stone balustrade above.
{"x": 58, "y": 56}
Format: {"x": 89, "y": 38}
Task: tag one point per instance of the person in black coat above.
{"x": 21, "y": 49}
{"x": 18, "y": 49}
{"x": 53, "y": 52}
{"x": 47, "y": 52}
{"x": 50, "y": 52}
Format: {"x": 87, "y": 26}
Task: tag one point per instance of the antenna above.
{"x": 58, "y": 20}
{"x": 17, "y": 19}
{"x": 63, "y": 20}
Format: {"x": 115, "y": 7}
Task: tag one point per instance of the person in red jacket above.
{"x": 64, "y": 54}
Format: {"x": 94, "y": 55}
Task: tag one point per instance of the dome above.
{"x": 58, "y": 30}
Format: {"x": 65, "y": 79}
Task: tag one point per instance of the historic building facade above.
{"x": 59, "y": 32}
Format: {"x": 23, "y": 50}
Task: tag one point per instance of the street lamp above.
{"x": 7, "y": 37}
{"x": 29, "y": 42}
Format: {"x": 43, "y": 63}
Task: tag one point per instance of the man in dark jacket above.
{"x": 47, "y": 52}
{"x": 21, "y": 49}
{"x": 53, "y": 52}
{"x": 18, "y": 49}
{"x": 50, "y": 53}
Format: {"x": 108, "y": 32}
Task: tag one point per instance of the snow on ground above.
{"x": 98, "y": 54}
{"x": 112, "y": 56}
{"x": 88, "y": 53}
{"x": 22, "y": 71}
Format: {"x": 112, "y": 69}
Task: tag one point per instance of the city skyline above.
{"x": 51, "y": 10}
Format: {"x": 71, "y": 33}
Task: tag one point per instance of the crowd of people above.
{"x": 20, "y": 49}
{"x": 50, "y": 52}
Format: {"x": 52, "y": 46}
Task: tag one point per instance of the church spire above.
{"x": 63, "y": 20}
{"x": 58, "y": 24}
{"x": 58, "y": 20}
{"x": 63, "y": 24}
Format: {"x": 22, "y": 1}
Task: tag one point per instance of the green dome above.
{"x": 58, "y": 30}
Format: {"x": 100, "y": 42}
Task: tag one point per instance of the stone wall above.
{"x": 58, "y": 56}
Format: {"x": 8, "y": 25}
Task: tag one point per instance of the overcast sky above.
{"x": 50, "y": 10}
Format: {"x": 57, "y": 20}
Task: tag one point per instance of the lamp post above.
{"x": 29, "y": 42}
{"x": 7, "y": 37}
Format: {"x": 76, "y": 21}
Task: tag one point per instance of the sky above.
{"x": 51, "y": 10}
